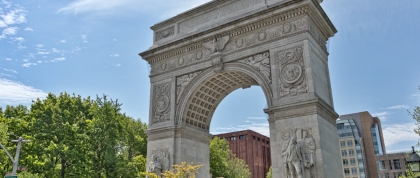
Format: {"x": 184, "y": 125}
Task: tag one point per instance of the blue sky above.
{"x": 90, "y": 48}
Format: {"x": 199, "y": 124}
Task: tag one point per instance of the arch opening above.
{"x": 210, "y": 88}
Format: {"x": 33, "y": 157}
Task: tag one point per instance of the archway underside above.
{"x": 207, "y": 96}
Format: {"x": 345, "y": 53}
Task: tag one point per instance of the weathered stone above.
{"x": 202, "y": 55}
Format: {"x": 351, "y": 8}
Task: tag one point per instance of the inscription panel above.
{"x": 217, "y": 15}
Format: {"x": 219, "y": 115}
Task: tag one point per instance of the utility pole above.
{"x": 15, "y": 161}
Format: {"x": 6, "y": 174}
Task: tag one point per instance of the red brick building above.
{"x": 252, "y": 147}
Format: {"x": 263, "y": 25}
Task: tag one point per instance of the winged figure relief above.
{"x": 216, "y": 45}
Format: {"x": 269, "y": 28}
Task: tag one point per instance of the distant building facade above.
{"x": 365, "y": 132}
{"x": 392, "y": 165}
{"x": 253, "y": 148}
{"x": 352, "y": 150}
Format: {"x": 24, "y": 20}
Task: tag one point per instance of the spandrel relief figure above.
{"x": 298, "y": 152}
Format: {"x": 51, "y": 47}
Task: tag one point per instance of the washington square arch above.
{"x": 200, "y": 56}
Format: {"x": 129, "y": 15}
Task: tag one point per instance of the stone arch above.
{"x": 196, "y": 106}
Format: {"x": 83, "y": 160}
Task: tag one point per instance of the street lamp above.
{"x": 414, "y": 161}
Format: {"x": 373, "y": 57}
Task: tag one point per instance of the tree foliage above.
{"x": 223, "y": 163}
{"x": 270, "y": 173}
{"x": 73, "y": 136}
{"x": 182, "y": 170}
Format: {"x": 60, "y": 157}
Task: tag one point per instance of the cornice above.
{"x": 169, "y": 50}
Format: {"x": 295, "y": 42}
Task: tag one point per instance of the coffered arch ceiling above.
{"x": 208, "y": 90}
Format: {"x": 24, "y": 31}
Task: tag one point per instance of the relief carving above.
{"x": 160, "y": 161}
{"x": 217, "y": 64}
{"x": 181, "y": 61}
{"x": 162, "y": 103}
{"x": 223, "y": 44}
{"x": 260, "y": 62}
{"x": 183, "y": 81}
{"x": 164, "y": 33}
{"x": 268, "y": 34}
{"x": 216, "y": 45}
{"x": 298, "y": 154}
{"x": 292, "y": 77}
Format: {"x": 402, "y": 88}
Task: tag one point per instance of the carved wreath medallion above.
{"x": 292, "y": 78}
{"x": 162, "y": 103}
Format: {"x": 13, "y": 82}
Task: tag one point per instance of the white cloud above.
{"x": 28, "y": 29}
{"x": 8, "y": 31}
{"x": 39, "y": 62}
{"x": 58, "y": 59}
{"x": 10, "y": 70}
{"x": 6, "y": 75}
{"x": 114, "y": 55}
{"x": 398, "y": 107}
{"x": 12, "y": 92}
{"x": 62, "y": 41}
{"x": 8, "y": 59}
{"x": 20, "y": 39}
{"x": 15, "y": 16}
{"x": 118, "y": 65}
{"x": 382, "y": 115}
{"x": 42, "y": 53}
{"x": 165, "y": 8}
{"x": 39, "y": 45}
{"x": 257, "y": 118}
{"x": 84, "y": 38}
{"x": 396, "y": 133}
{"x": 28, "y": 64}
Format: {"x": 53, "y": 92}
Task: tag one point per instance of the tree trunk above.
{"x": 63, "y": 168}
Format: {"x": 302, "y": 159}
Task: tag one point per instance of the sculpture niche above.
{"x": 160, "y": 162}
{"x": 298, "y": 155}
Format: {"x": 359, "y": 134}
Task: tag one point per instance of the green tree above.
{"x": 4, "y": 159}
{"x": 59, "y": 136}
{"x": 270, "y": 173}
{"x": 223, "y": 163}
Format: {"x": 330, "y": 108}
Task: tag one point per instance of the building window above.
{"x": 268, "y": 142}
{"x": 352, "y": 161}
{"x": 346, "y": 171}
{"x": 342, "y": 144}
{"x": 345, "y": 162}
{"x": 351, "y": 152}
{"x": 263, "y": 140}
{"x": 233, "y": 138}
{"x": 258, "y": 139}
{"x": 395, "y": 175}
{"x": 253, "y": 137}
{"x": 340, "y": 126}
{"x": 343, "y": 153}
{"x": 356, "y": 143}
{"x": 382, "y": 165}
{"x": 400, "y": 174}
{"x": 390, "y": 165}
{"x": 350, "y": 143}
{"x": 354, "y": 171}
{"x": 241, "y": 137}
{"x": 386, "y": 175}
{"x": 397, "y": 164}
